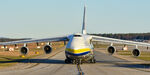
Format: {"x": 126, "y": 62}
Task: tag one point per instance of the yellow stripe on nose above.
{"x": 78, "y": 50}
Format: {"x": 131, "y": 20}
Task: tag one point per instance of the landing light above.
{"x": 22, "y": 56}
{"x": 38, "y": 47}
{"x": 36, "y": 52}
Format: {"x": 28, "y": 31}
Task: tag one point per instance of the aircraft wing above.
{"x": 112, "y": 40}
{"x": 35, "y": 40}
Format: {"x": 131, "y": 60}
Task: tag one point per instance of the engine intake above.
{"x": 136, "y": 52}
{"x": 111, "y": 49}
{"x": 24, "y": 50}
{"x": 47, "y": 49}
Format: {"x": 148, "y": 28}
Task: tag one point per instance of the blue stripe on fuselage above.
{"x": 79, "y": 54}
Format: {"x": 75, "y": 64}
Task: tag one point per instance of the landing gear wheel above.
{"x": 79, "y": 61}
{"x": 74, "y": 61}
{"x": 67, "y": 61}
{"x": 93, "y": 60}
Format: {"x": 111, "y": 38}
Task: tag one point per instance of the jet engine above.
{"x": 47, "y": 49}
{"x": 136, "y": 52}
{"x": 111, "y": 49}
{"x": 24, "y": 50}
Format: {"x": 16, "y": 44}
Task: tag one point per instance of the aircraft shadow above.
{"x": 126, "y": 64}
{"x": 49, "y": 61}
{"x": 144, "y": 66}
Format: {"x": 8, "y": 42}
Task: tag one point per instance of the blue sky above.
{"x": 47, "y": 18}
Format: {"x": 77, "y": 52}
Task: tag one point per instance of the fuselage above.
{"x": 79, "y": 47}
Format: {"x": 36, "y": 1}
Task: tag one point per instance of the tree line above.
{"x": 124, "y": 36}
{"x": 127, "y": 36}
{"x": 10, "y": 39}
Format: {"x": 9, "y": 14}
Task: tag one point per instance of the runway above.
{"x": 106, "y": 65}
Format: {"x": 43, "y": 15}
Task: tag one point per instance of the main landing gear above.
{"x": 67, "y": 61}
{"x": 93, "y": 60}
{"x": 78, "y": 61}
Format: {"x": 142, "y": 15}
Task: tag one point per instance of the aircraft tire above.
{"x": 93, "y": 60}
{"x": 67, "y": 61}
{"x": 79, "y": 61}
{"x": 74, "y": 62}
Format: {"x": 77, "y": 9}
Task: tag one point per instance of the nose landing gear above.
{"x": 75, "y": 61}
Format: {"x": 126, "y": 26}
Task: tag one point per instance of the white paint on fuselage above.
{"x": 79, "y": 42}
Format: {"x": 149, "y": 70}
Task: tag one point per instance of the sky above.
{"x": 50, "y": 18}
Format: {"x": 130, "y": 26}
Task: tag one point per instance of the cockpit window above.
{"x": 77, "y": 35}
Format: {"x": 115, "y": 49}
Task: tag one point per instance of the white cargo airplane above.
{"x": 79, "y": 47}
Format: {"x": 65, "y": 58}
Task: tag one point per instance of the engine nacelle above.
{"x": 136, "y": 52}
{"x": 24, "y": 50}
{"x": 47, "y": 49}
{"x": 111, "y": 49}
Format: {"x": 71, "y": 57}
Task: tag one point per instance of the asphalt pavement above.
{"x": 106, "y": 65}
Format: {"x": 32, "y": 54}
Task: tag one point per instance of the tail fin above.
{"x": 84, "y": 19}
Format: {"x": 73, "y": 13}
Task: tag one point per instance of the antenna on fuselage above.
{"x": 84, "y": 21}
